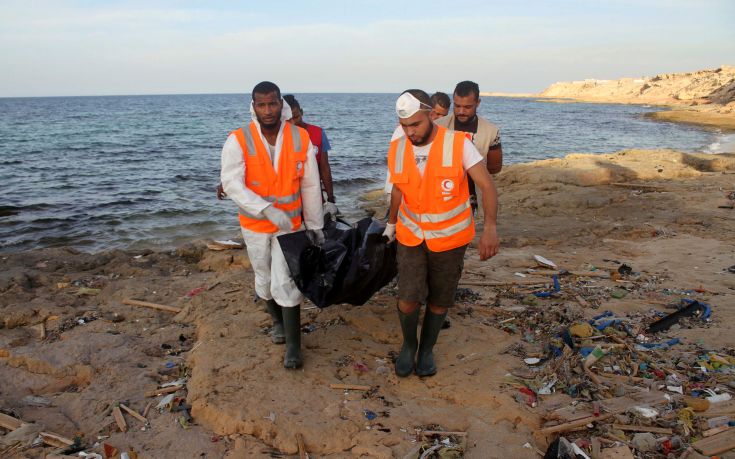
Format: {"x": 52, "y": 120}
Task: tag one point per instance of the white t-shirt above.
{"x": 470, "y": 156}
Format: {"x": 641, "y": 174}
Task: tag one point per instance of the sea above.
{"x": 140, "y": 172}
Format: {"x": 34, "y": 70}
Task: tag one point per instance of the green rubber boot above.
{"x": 405, "y": 362}
{"x": 277, "y": 335}
{"x": 425, "y": 365}
{"x": 292, "y": 329}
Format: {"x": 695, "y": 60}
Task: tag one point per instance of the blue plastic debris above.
{"x": 557, "y": 288}
{"x": 664, "y": 345}
{"x": 370, "y": 415}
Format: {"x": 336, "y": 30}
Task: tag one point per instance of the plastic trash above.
{"x": 544, "y": 261}
{"x": 664, "y": 345}
{"x": 582, "y": 330}
{"x": 643, "y": 411}
{"x": 351, "y": 265}
{"x": 370, "y": 415}
{"x": 561, "y": 448}
{"x": 557, "y": 288}
{"x": 691, "y": 309}
{"x": 718, "y": 398}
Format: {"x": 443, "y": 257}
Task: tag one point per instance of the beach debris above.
{"x": 133, "y": 413}
{"x": 34, "y": 400}
{"x": 119, "y": 419}
{"x": 349, "y": 387}
{"x": 302, "y": 446}
{"x": 194, "y": 292}
{"x": 88, "y": 291}
{"x": 109, "y": 451}
{"x": 224, "y": 245}
{"x": 369, "y": 415}
{"x": 145, "y": 304}
{"x": 690, "y": 308}
{"x": 165, "y": 402}
{"x": 545, "y": 262}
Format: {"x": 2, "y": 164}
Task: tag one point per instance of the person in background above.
{"x": 485, "y": 135}
{"x": 431, "y": 217}
{"x": 319, "y": 140}
{"x": 269, "y": 170}
{"x": 440, "y": 104}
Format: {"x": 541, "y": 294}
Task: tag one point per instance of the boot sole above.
{"x": 400, "y": 375}
{"x": 422, "y": 374}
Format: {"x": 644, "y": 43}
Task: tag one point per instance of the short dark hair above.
{"x": 465, "y": 88}
{"x": 422, "y": 96}
{"x": 441, "y": 99}
{"x": 291, "y": 101}
{"x": 265, "y": 87}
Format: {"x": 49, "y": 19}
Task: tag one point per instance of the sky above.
{"x": 64, "y": 48}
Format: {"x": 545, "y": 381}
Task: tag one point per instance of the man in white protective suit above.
{"x": 269, "y": 170}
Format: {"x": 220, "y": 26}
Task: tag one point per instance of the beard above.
{"x": 270, "y": 125}
{"x": 422, "y": 141}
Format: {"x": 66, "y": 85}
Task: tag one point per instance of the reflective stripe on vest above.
{"x": 435, "y": 206}
{"x": 268, "y": 186}
{"x": 291, "y": 214}
{"x": 437, "y": 218}
{"x": 432, "y": 234}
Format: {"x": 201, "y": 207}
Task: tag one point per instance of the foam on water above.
{"x": 724, "y": 143}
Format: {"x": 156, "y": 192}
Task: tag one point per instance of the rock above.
{"x": 191, "y": 253}
{"x": 215, "y": 261}
{"x": 644, "y": 442}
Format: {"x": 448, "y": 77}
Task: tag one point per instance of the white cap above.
{"x": 407, "y": 105}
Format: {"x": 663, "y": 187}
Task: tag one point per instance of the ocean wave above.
{"x": 724, "y": 143}
{"x": 355, "y": 181}
{"x": 6, "y": 211}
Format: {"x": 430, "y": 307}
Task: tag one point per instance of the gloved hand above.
{"x": 390, "y": 231}
{"x": 315, "y": 236}
{"x": 331, "y": 209}
{"x": 277, "y": 217}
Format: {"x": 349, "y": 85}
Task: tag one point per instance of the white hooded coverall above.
{"x": 272, "y": 277}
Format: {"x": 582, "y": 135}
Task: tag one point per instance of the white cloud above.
{"x": 63, "y": 51}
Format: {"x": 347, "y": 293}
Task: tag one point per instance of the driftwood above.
{"x": 145, "y": 304}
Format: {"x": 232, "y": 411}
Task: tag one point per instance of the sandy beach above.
{"x": 72, "y": 349}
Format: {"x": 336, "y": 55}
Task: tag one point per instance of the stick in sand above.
{"x": 145, "y": 304}
{"x": 119, "y": 419}
{"x": 349, "y": 387}
{"x": 134, "y": 414}
{"x": 302, "y": 447}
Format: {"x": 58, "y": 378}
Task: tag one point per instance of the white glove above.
{"x": 331, "y": 208}
{"x": 390, "y": 231}
{"x": 277, "y": 217}
{"x": 315, "y": 236}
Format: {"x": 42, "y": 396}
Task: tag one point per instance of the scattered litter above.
{"x": 544, "y": 262}
{"x": 165, "y": 401}
{"x": 690, "y": 308}
{"x": 194, "y": 292}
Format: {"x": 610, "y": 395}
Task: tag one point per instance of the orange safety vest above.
{"x": 282, "y": 187}
{"x": 435, "y": 207}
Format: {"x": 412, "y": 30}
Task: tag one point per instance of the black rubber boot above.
{"x": 277, "y": 335}
{"x": 429, "y": 333}
{"x": 405, "y": 362}
{"x": 292, "y": 329}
